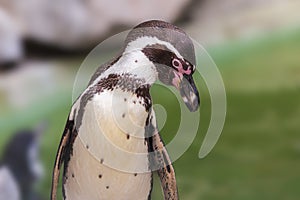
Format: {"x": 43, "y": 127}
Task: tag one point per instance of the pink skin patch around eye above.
{"x": 178, "y": 65}
{"x": 178, "y": 75}
{"x": 188, "y": 71}
{"x": 177, "y": 79}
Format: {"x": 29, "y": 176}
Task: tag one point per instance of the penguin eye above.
{"x": 176, "y": 63}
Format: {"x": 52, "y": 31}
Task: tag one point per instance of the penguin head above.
{"x": 172, "y": 53}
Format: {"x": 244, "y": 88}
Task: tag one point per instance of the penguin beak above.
{"x": 189, "y": 92}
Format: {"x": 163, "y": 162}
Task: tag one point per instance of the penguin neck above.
{"x": 135, "y": 64}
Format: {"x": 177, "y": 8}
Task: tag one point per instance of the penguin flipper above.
{"x": 60, "y": 155}
{"x": 165, "y": 171}
{"x": 161, "y": 161}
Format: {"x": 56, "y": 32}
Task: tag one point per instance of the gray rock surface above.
{"x": 217, "y": 21}
{"x": 78, "y": 23}
{"x": 10, "y": 39}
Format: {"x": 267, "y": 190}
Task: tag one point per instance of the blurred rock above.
{"x": 32, "y": 81}
{"x": 216, "y": 21}
{"x": 78, "y": 23}
{"x": 10, "y": 39}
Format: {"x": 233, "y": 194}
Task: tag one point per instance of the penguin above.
{"x": 110, "y": 145}
{"x": 20, "y": 166}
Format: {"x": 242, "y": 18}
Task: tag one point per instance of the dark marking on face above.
{"x": 123, "y": 115}
{"x": 127, "y": 136}
{"x": 125, "y": 99}
{"x": 100, "y": 176}
{"x": 135, "y": 61}
{"x": 167, "y": 63}
{"x": 102, "y": 160}
{"x": 159, "y": 54}
{"x": 162, "y": 60}
{"x": 135, "y": 174}
{"x": 87, "y": 146}
{"x": 107, "y": 187}
{"x": 73, "y": 175}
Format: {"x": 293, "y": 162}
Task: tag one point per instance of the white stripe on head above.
{"x": 141, "y": 42}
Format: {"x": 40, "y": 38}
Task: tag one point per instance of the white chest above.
{"x": 110, "y": 156}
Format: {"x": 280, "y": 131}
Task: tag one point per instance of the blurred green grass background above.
{"x": 258, "y": 153}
